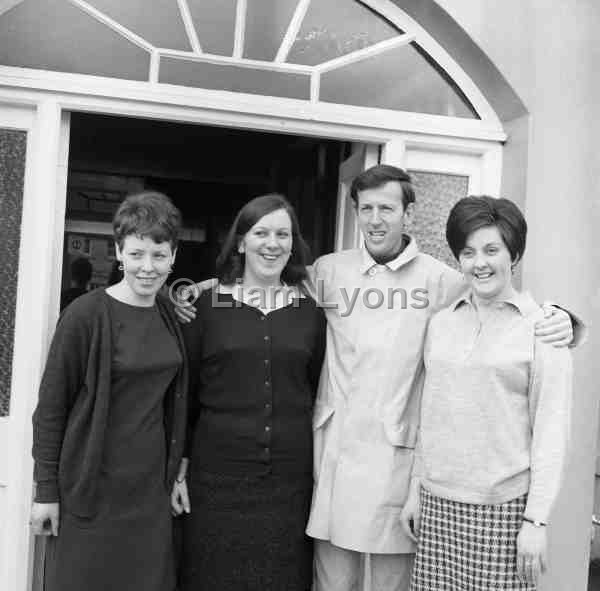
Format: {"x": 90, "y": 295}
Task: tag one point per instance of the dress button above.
{"x": 266, "y": 337}
{"x": 263, "y": 317}
{"x": 173, "y": 441}
{"x": 268, "y": 406}
{"x": 267, "y": 383}
{"x": 267, "y": 428}
{"x": 372, "y": 271}
{"x": 266, "y": 362}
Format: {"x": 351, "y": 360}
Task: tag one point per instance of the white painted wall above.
{"x": 550, "y": 54}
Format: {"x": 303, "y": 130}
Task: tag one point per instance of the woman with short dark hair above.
{"x": 494, "y": 419}
{"x": 109, "y": 427}
{"x": 255, "y": 348}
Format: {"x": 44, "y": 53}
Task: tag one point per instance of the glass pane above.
{"x": 161, "y": 26}
{"x": 12, "y": 174}
{"x": 51, "y": 35}
{"x": 214, "y": 21}
{"x": 266, "y": 24}
{"x": 234, "y": 78}
{"x": 332, "y": 28}
{"x": 435, "y": 193}
{"x": 402, "y": 79}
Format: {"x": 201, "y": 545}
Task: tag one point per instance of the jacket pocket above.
{"x": 321, "y": 414}
{"x": 400, "y": 434}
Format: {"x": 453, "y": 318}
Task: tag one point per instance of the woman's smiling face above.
{"x": 486, "y": 263}
{"x": 267, "y": 247}
{"x": 146, "y": 264}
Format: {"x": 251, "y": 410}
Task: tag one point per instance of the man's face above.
{"x": 381, "y": 217}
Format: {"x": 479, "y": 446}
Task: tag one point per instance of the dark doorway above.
{"x": 209, "y": 172}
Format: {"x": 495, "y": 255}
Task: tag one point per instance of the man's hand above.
{"x": 184, "y": 310}
{"x": 44, "y": 519}
{"x": 556, "y": 328}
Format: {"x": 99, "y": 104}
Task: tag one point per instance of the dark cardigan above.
{"x": 70, "y": 420}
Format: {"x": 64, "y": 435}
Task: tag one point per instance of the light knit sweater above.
{"x": 496, "y": 407}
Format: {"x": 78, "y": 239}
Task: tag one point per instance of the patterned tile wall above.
{"x": 12, "y": 172}
{"x": 436, "y": 193}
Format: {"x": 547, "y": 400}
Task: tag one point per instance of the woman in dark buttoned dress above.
{"x": 110, "y": 422}
{"x": 255, "y": 348}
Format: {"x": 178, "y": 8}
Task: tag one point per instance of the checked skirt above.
{"x": 468, "y": 547}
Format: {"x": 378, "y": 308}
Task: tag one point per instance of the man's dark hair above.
{"x": 379, "y": 175}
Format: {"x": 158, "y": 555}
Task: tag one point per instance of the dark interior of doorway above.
{"x": 209, "y": 172}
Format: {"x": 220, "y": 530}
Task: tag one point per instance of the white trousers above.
{"x": 338, "y": 569}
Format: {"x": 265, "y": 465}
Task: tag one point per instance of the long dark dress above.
{"x": 127, "y": 545}
{"x": 253, "y": 380}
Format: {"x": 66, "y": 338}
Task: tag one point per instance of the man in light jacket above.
{"x": 378, "y": 301}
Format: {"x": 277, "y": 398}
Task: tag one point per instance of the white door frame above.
{"x": 43, "y": 226}
{"x": 37, "y": 297}
{"x": 347, "y": 232}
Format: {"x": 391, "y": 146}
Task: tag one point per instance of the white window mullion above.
{"x": 363, "y": 54}
{"x": 315, "y": 86}
{"x": 112, "y": 24}
{"x": 240, "y": 28}
{"x": 292, "y": 31}
{"x": 154, "y": 67}
{"x": 188, "y": 23}
{"x": 236, "y": 61}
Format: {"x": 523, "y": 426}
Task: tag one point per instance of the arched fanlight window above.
{"x": 323, "y": 51}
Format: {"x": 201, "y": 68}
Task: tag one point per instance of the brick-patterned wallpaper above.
{"x": 436, "y": 193}
{"x": 12, "y": 172}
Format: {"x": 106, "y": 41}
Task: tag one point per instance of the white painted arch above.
{"x": 412, "y": 31}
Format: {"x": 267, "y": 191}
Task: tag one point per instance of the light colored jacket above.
{"x": 367, "y": 411}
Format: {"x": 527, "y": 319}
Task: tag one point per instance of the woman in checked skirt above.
{"x": 494, "y": 419}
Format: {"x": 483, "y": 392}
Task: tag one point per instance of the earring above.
{"x": 121, "y": 267}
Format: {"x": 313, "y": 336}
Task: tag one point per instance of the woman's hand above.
{"x": 44, "y": 519}
{"x": 410, "y": 517}
{"x": 180, "y": 500}
{"x": 531, "y": 552}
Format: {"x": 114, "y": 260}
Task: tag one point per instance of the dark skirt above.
{"x": 123, "y": 554}
{"x": 468, "y": 547}
{"x": 247, "y": 533}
